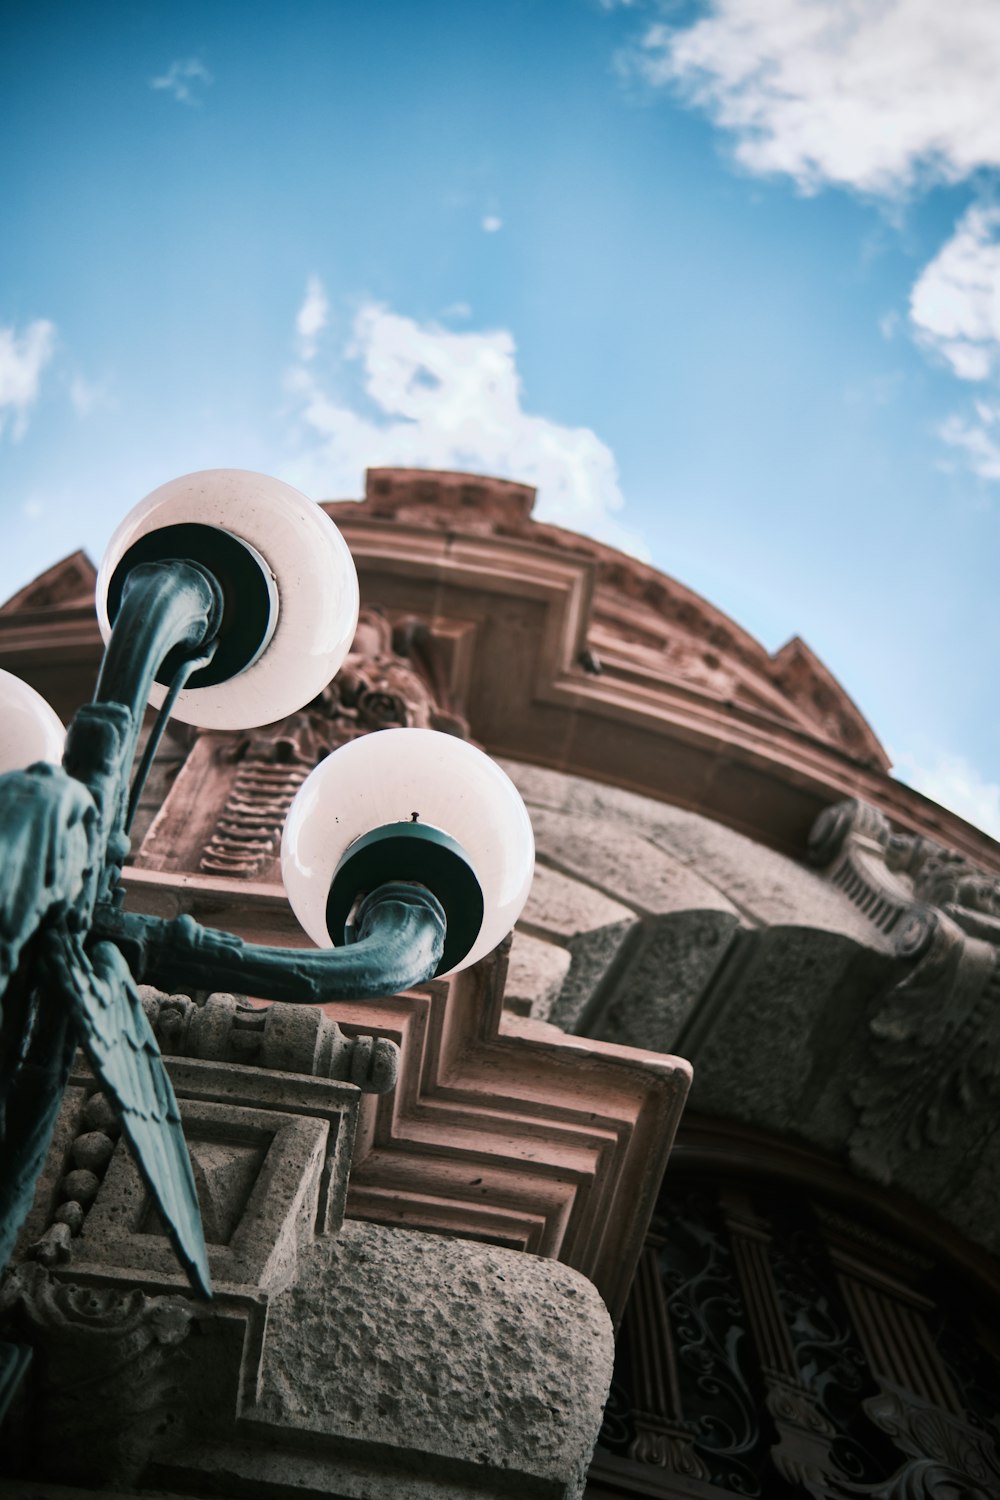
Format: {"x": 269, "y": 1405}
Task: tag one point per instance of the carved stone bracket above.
{"x": 270, "y": 1151}
{"x": 945, "y": 1456}
{"x": 107, "y": 1378}
{"x": 891, "y": 876}
{"x": 934, "y": 1037}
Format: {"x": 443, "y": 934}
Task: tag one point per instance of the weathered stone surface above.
{"x": 594, "y": 958}
{"x": 441, "y": 1354}
{"x": 764, "y": 886}
{"x": 535, "y": 975}
{"x": 562, "y": 906}
{"x": 620, "y": 862}
{"x": 673, "y": 965}
{"x": 782, "y": 1040}
{"x": 767, "y": 886}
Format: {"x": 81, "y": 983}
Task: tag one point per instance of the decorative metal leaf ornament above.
{"x": 124, "y": 1054}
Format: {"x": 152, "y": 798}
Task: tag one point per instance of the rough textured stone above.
{"x": 535, "y": 975}
{"x": 561, "y": 906}
{"x": 93, "y": 1150}
{"x": 781, "y": 1040}
{"x": 623, "y": 864}
{"x": 594, "y": 958}
{"x": 764, "y": 886}
{"x": 81, "y": 1185}
{"x": 423, "y": 1345}
{"x": 674, "y": 963}
{"x": 768, "y": 887}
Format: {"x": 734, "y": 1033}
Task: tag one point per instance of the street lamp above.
{"x": 228, "y": 600}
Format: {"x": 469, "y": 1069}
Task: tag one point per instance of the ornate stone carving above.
{"x": 935, "y": 1045}
{"x": 90, "y": 1154}
{"x": 935, "y": 1036}
{"x": 108, "y": 1385}
{"x": 946, "y": 1457}
{"x": 912, "y": 866}
{"x": 289, "y": 1038}
{"x": 379, "y": 687}
{"x": 819, "y": 1311}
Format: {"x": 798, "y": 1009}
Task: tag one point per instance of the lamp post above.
{"x": 228, "y": 600}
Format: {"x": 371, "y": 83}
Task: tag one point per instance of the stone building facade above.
{"x": 427, "y": 1215}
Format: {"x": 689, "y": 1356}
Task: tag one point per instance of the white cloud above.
{"x": 185, "y": 80}
{"x": 447, "y": 400}
{"x": 312, "y": 317}
{"x": 870, "y": 94}
{"x": 955, "y": 303}
{"x": 979, "y": 445}
{"x": 491, "y": 223}
{"x": 955, "y": 783}
{"x": 22, "y": 360}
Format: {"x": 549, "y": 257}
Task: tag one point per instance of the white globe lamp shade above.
{"x": 393, "y": 805}
{"x": 294, "y": 576}
{"x": 29, "y": 729}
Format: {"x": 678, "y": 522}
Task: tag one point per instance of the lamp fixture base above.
{"x": 417, "y": 853}
{"x": 249, "y": 594}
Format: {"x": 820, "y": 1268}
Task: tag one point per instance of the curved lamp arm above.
{"x": 399, "y": 943}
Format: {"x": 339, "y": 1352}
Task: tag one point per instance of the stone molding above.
{"x": 636, "y": 606}
{"x": 563, "y": 664}
{"x": 111, "y": 1372}
{"x": 505, "y": 1129}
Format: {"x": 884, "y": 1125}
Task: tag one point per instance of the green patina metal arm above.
{"x": 399, "y": 943}
{"x": 70, "y": 956}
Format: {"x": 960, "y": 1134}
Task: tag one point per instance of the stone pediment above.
{"x": 67, "y": 583}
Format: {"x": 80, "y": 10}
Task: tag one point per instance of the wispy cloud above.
{"x": 976, "y": 436}
{"x": 434, "y": 398}
{"x": 884, "y": 97}
{"x": 875, "y": 95}
{"x": 491, "y": 223}
{"x": 22, "y": 360}
{"x": 88, "y": 396}
{"x": 311, "y": 318}
{"x": 952, "y": 781}
{"x": 185, "y": 80}
{"x": 955, "y": 304}
{"x": 955, "y": 315}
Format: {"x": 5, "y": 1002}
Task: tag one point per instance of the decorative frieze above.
{"x": 787, "y": 1344}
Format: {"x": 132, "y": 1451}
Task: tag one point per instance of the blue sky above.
{"x": 722, "y": 279}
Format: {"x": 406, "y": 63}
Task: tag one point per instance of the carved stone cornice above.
{"x": 563, "y": 652}
{"x": 682, "y": 705}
